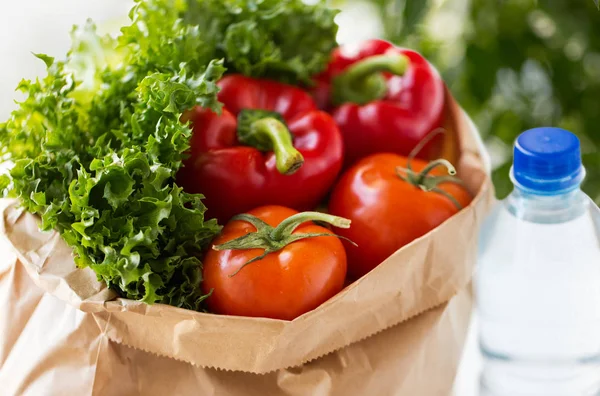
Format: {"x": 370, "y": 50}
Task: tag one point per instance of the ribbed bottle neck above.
{"x": 553, "y": 209}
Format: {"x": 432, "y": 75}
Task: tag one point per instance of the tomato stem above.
{"x": 287, "y": 227}
{"x": 428, "y": 183}
{"x": 364, "y": 82}
{"x": 426, "y": 140}
{"x": 424, "y": 180}
{"x": 447, "y": 195}
{"x": 435, "y": 164}
{"x": 272, "y": 239}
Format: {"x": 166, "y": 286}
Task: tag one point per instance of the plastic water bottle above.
{"x": 538, "y": 281}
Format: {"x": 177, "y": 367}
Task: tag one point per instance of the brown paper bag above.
{"x": 397, "y": 331}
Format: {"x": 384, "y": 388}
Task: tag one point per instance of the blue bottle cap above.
{"x": 547, "y": 161}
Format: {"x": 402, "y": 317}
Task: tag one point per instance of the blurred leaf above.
{"x": 501, "y": 180}
{"x": 401, "y": 18}
{"x": 414, "y": 12}
{"x": 592, "y": 181}
{"x": 481, "y": 71}
{"x": 597, "y": 4}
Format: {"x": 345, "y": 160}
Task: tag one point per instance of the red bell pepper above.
{"x": 269, "y": 146}
{"x": 383, "y": 98}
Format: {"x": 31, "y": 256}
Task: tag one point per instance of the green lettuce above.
{"x": 96, "y": 146}
{"x": 97, "y": 143}
{"x": 285, "y": 40}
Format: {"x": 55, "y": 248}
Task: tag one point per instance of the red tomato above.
{"x": 284, "y": 284}
{"x": 387, "y": 212}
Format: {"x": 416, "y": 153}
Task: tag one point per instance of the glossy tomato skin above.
{"x": 386, "y": 212}
{"x": 284, "y": 284}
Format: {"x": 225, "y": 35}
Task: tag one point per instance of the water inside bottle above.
{"x": 539, "y": 306}
{"x": 538, "y": 280}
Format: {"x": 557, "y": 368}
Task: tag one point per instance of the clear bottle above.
{"x": 538, "y": 281}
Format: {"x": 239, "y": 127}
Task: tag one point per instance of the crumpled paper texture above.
{"x": 49, "y": 348}
{"x": 397, "y": 331}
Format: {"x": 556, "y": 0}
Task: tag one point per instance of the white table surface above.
{"x": 28, "y": 26}
{"x": 467, "y": 380}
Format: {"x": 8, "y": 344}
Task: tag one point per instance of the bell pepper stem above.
{"x": 287, "y": 159}
{"x": 395, "y": 64}
{"x": 286, "y": 227}
{"x": 363, "y": 82}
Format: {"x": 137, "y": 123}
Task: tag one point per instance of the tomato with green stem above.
{"x": 274, "y": 262}
{"x": 391, "y": 201}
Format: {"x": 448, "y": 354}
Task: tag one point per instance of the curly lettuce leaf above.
{"x": 96, "y": 146}
{"x": 285, "y": 40}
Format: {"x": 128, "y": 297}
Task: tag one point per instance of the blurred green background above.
{"x": 512, "y": 64}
